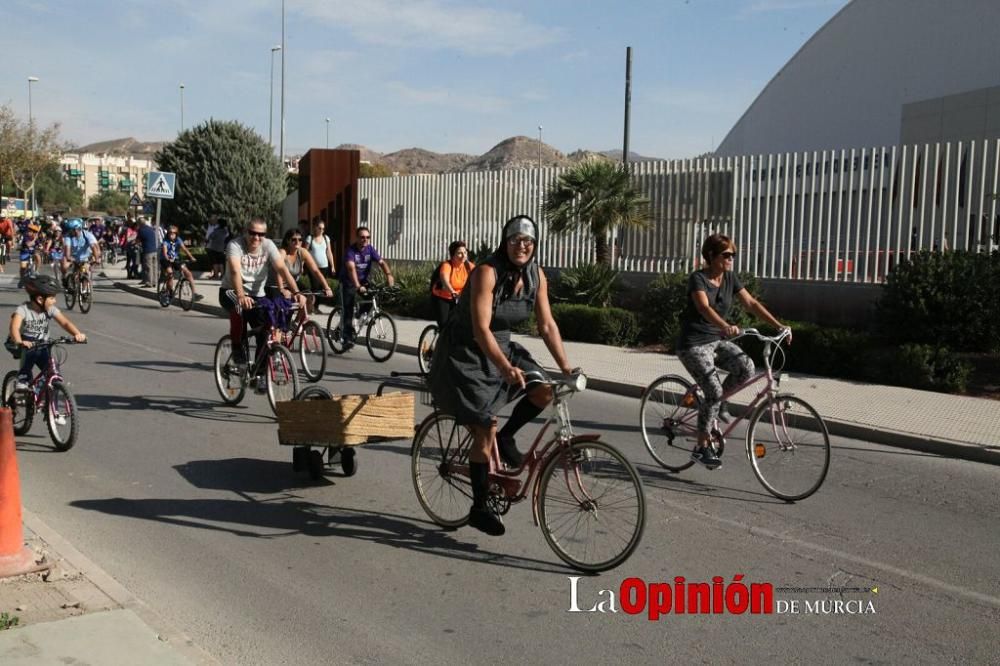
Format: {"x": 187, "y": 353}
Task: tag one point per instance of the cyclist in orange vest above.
{"x": 452, "y": 275}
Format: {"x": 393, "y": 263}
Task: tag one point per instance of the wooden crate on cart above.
{"x": 340, "y": 423}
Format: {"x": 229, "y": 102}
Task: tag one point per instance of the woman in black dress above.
{"x": 476, "y": 364}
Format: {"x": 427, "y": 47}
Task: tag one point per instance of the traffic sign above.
{"x": 135, "y": 201}
{"x": 149, "y": 206}
{"x": 160, "y": 184}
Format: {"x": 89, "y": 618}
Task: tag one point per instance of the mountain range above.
{"x": 516, "y": 152}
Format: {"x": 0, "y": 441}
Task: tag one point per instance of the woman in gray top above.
{"x": 476, "y": 364}
{"x": 701, "y": 347}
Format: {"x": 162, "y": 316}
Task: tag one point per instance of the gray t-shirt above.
{"x": 253, "y": 267}
{"x": 35, "y": 326}
{"x": 695, "y": 329}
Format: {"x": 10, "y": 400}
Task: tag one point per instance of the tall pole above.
{"x": 628, "y": 100}
{"x": 328, "y": 133}
{"x": 282, "y": 149}
{"x": 182, "y": 107}
{"x": 31, "y": 128}
{"x": 539, "y": 146}
{"x": 270, "y": 104}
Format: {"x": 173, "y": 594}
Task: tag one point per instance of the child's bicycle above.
{"x": 586, "y": 497}
{"x": 379, "y": 327}
{"x": 48, "y": 394}
{"x": 305, "y": 337}
{"x": 787, "y": 442}
{"x": 79, "y": 288}
{"x": 182, "y": 292}
{"x": 273, "y": 366}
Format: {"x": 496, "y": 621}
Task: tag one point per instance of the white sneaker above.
{"x": 60, "y": 419}
{"x": 21, "y": 385}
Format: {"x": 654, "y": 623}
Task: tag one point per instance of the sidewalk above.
{"x": 950, "y": 425}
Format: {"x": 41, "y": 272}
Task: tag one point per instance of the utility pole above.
{"x": 628, "y": 100}
{"x": 539, "y": 146}
{"x": 270, "y": 104}
{"x": 282, "y": 148}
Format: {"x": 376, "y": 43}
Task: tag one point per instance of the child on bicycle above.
{"x": 701, "y": 347}
{"x": 31, "y": 246}
{"x": 30, "y": 324}
{"x": 170, "y": 258}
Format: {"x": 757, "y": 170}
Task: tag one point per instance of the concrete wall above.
{"x": 971, "y": 115}
{"x": 846, "y": 86}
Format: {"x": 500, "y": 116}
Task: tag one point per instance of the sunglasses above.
{"x": 728, "y": 255}
{"x": 524, "y": 242}
{"x": 257, "y": 234}
{"x": 364, "y": 237}
{"x": 296, "y": 239}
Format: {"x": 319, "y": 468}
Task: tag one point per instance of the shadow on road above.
{"x": 270, "y": 519}
{"x": 656, "y": 477}
{"x": 211, "y": 410}
{"x": 158, "y": 365}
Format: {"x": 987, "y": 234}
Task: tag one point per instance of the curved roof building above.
{"x": 847, "y": 86}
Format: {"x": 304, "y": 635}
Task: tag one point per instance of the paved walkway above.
{"x": 935, "y": 422}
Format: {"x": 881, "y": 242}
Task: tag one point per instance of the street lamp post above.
{"x": 270, "y": 104}
{"x": 283, "y": 51}
{"x": 328, "y": 133}
{"x": 31, "y": 128}
{"x": 182, "y": 107}
{"x": 539, "y": 146}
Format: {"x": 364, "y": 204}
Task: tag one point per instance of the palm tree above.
{"x": 598, "y": 197}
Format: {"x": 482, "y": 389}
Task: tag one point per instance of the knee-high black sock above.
{"x": 479, "y": 476}
{"x": 523, "y": 412}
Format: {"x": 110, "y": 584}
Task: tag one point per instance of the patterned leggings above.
{"x": 702, "y": 362}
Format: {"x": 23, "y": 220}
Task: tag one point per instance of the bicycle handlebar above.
{"x": 575, "y": 382}
{"x": 754, "y": 333}
{"x": 64, "y": 340}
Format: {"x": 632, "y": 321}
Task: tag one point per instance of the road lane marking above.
{"x": 159, "y": 352}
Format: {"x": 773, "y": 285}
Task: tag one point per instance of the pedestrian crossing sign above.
{"x": 135, "y": 201}
{"x": 160, "y": 184}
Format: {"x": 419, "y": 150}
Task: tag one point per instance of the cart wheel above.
{"x": 315, "y": 464}
{"x": 348, "y": 462}
{"x": 299, "y": 454}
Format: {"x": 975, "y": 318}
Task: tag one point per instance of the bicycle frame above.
{"x": 42, "y": 382}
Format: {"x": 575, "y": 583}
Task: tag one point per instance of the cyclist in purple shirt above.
{"x": 354, "y": 273}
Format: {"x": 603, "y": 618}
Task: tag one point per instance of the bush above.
{"x": 605, "y": 326}
{"x": 943, "y": 299}
{"x": 589, "y": 284}
{"x": 923, "y": 367}
{"x": 665, "y": 300}
{"x": 414, "y": 298}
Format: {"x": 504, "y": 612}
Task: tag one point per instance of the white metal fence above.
{"x": 843, "y": 215}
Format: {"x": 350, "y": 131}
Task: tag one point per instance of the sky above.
{"x": 444, "y": 75}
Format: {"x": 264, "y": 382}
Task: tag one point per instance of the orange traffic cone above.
{"x": 15, "y": 557}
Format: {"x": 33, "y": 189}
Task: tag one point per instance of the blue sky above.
{"x": 443, "y": 75}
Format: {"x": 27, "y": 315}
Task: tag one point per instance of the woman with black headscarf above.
{"x": 476, "y": 363}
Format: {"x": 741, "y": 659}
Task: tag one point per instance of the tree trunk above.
{"x": 602, "y": 248}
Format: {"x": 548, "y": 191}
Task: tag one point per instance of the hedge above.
{"x": 605, "y": 326}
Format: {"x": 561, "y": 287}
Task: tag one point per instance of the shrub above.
{"x": 589, "y": 284}
{"x": 923, "y": 367}
{"x": 414, "y": 298}
{"x": 606, "y": 326}
{"x": 665, "y": 300}
{"x": 943, "y": 299}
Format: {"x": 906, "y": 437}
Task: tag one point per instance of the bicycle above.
{"x": 380, "y": 328}
{"x": 182, "y": 292}
{"x": 79, "y": 289}
{"x": 577, "y": 483}
{"x": 305, "y": 337}
{"x": 787, "y": 442}
{"x": 47, "y": 391}
{"x": 273, "y": 365}
{"x": 425, "y": 348}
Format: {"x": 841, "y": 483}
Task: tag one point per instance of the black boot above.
{"x": 480, "y": 516}
{"x": 507, "y": 446}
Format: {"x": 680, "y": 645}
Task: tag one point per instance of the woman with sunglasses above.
{"x": 476, "y": 365}
{"x": 701, "y": 346}
{"x": 298, "y": 261}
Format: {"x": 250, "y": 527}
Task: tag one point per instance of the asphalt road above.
{"x": 194, "y": 507}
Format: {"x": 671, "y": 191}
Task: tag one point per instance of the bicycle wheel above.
{"x": 381, "y": 337}
{"x": 162, "y": 293}
{"x": 20, "y": 403}
{"x": 70, "y": 292}
{"x": 313, "y": 393}
{"x": 312, "y": 351}
{"x": 282, "y": 380}
{"x": 335, "y": 330}
{"x": 61, "y": 416}
{"x": 86, "y": 294}
{"x": 230, "y": 382}
{"x": 668, "y": 415}
{"x": 439, "y": 464}
{"x": 789, "y": 447}
{"x": 591, "y": 506}
{"x": 185, "y": 294}
{"x": 425, "y": 348}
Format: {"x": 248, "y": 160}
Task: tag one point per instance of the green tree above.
{"x": 222, "y": 167}
{"x": 597, "y": 197}
{"x": 26, "y": 150}
{"x": 375, "y": 171}
{"x": 109, "y": 201}
{"x": 54, "y": 192}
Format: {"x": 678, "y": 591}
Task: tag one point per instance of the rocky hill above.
{"x": 124, "y": 147}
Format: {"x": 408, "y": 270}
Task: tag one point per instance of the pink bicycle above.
{"x": 787, "y": 442}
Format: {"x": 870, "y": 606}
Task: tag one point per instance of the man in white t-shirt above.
{"x": 248, "y": 259}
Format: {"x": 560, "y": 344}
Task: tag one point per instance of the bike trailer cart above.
{"x": 316, "y": 423}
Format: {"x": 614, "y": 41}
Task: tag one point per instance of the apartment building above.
{"x": 99, "y": 173}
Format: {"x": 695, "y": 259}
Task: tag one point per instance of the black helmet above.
{"x": 46, "y": 285}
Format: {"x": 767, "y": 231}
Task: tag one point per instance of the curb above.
{"x": 64, "y": 550}
{"x": 849, "y": 429}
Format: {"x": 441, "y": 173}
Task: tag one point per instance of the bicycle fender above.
{"x": 590, "y": 437}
